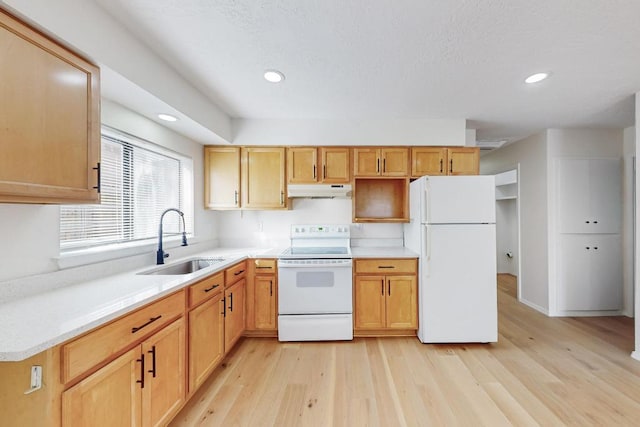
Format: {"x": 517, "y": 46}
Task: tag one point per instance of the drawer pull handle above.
{"x": 153, "y": 319}
{"x": 263, "y": 266}
{"x": 152, "y": 371}
{"x": 141, "y": 380}
{"x": 385, "y": 266}
{"x": 238, "y": 272}
{"x": 211, "y": 288}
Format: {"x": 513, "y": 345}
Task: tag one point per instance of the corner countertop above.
{"x": 382, "y": 252}
{"x": 35, "y": 323}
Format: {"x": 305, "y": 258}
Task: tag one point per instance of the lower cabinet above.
{"x": 385, "y": 301}
{"x": 233, "y": 310}
{"x": 143, "y": 387}
{"x": 590, "y": 272}
{"x": 206, "y": 340}
{"x": 262, "y": 298}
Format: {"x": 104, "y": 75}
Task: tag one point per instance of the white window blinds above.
{"x": 138, "y": 182}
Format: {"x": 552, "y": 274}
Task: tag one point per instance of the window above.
{"x": 139, "y": 180}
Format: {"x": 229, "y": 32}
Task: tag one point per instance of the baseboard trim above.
{"x": 535, "y": 306}
{"x": 588, "y": 313}
{"x": 636, "y": 355}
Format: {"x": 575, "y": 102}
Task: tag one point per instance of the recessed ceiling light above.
{"x": 273, "y": 76}
{"x": 535, "y": 78}
{"x": 167, "y": 117}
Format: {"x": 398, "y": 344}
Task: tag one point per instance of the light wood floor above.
{"x": 543, "y": 371}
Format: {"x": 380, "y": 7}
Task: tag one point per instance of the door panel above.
{"x": 370, "y": 302}
{"x": 402, "y": 302}
{"x": 206, "y": 340}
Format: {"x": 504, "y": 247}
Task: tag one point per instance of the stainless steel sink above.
{"x": 184, "y": 267}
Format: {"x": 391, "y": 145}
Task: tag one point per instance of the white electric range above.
{"x": 315, "y": 301}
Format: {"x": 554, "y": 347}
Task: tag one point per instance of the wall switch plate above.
{"x": 36, "y": 379}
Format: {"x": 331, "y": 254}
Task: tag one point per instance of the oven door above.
{"x": 315, "y": 286}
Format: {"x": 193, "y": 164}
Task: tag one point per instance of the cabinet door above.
{"x": 302, "y": 165}
{"x": 402, "y": 302}
{"x": 606, "y": 272}
{"x": 49, "y": 120}
{"x": 265, "y": 302}
{"x": 369, "y": 301}
{"x": 573, "y": 196}
{"x": 463, "y": 161}
{"x": 109, "y": 397}
{"x": 206, "y": 340}
{"x": 366, "y": 162}
{"x": 428, "y": 161}
{"x": 263, "y": 177}
{"x": 395, "y": 161}
{"x": 222, "y": 177}
{"x": 605, "y": 192}
{"x": 164, "y": 390}
{"x": 336, "y": 165}
{"x": 234, "y": 314}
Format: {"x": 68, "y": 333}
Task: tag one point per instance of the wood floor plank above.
{"x": 542, "y": 371}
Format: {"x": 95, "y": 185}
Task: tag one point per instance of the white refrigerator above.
{"x": 452, "y": 227}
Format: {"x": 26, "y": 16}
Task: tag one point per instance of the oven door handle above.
{"x": 281, "y": 264}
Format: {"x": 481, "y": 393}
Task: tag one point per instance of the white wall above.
{"x": 531, "y": 154}
{"x": 349, "y": 132}
{"x": 629, "y": 147}
{"x": 507, "y": 236}
{"x": 636, "y": 353}
{"x": 30, "y": 233}
{"x": 272, "y": 228}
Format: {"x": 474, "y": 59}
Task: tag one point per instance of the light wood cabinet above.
{"x": 263, "y": 178}
{"x": 444, "y": 161}
{"x": 385, "y": 296}
{"x": 234, "y": 319}
{"x": 49, "y": 120}
{"x": 381, "y": 200}
{"x": 310, "y": 165}
{"x": 428, "y": 161}
{"x": 112, "y": 396}
{"x": 463, "y": 161}
{"x": 143, "y": 387}
{"x": 262, "y": 298}
{"x": 385, "y": 161}
{"x": 206, "y": 328}
{"x": 222, "y": 177}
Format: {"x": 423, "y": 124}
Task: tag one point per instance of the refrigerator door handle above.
{"x": 426, "y": 206}
{"x": 426, "y": 250}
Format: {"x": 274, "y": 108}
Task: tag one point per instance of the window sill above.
{"x": 85, "y": 256}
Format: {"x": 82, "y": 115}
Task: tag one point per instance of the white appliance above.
{"x": 452, "y": 227}
{"x": 315, "y": 301}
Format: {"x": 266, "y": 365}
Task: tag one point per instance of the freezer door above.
{"x": 457, "y": 292}
{"x": 459, "y": 200}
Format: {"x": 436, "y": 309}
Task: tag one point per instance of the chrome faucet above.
{"x": 160, "y": 255}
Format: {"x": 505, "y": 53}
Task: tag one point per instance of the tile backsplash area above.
{"x": 272, "y": 228}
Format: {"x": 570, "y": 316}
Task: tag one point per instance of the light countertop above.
{"x": 38, "y": 322}
{"x": 382, "y": 252}
{"x": 35, "y": 323}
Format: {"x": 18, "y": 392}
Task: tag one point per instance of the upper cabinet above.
{"x": 310, "y": 165}
{"x": 463, "y": 161}
{"x": 49, "y": 120}
{"x": 244, "y": 177}
{"x": 222, "y": 177}
{"x": 263, "y": 177}
{"x": 382, "y": 161}
{"x": 444, "y": 161}
{"x": 589, "y": 195}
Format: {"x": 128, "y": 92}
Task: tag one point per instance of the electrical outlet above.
{"x": 36, "y": 379}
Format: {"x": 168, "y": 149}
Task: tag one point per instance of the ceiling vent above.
{"x": 490, "y": 145}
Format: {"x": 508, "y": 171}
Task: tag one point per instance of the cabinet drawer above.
{"x": 386, "y": 266}
{"x": 206, "y": 288}
{"x": 265, "y": 266}
{"x": 97, "y": 346}
{"x": 235, "y": 273}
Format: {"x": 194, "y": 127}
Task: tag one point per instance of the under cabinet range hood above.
{"x": 319, "y": 191}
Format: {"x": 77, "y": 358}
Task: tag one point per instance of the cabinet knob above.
{"x": 595, "y": 222}
{"x": 586, "y": 222}
{"x": 595, "y": 247}
{"x": 587, "y": 248}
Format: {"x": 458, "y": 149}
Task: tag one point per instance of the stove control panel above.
{"x": 333, "y": 231}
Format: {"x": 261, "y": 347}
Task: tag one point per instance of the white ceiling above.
{"x": 404, "y": 58}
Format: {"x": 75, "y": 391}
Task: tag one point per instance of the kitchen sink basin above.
{"x": 184, "y": 267}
